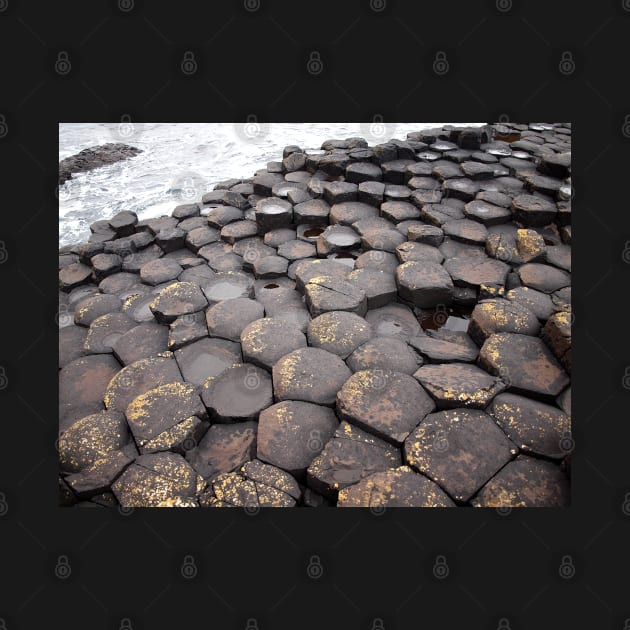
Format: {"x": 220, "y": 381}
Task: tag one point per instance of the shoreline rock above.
{"x": 365, "y": 326}
{"x": 95, "y": 157}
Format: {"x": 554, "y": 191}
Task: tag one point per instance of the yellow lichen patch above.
{"x": 173, "y": 436}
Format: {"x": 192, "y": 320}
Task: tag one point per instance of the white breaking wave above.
{"x": 182, "y": 161}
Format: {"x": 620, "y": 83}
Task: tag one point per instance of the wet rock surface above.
{"x": 92, "y": 158}
{"x": 383, "y": 326}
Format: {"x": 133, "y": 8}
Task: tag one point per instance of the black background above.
{"x": 375, "y": 566}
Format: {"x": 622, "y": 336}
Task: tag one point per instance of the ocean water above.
{"x": 182, "y": 161}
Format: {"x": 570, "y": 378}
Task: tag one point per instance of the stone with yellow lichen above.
{"x": 385, "y": 403}
{"x": 223, "y": 448}
{"x": 525, "y": 482}
{"x": 180, "y": 502}
{"x": 328, "y": 293}
{"x": 537, "y": 302}
{"x": 309, "y": 269}
{"x": 533, "y": 426}
{"x": 139, "y": 377}
{"x": 239, "y": 393}
{"x": 179, "y": 438}
{"x": 92, "y": 437}
{"x": 94, "y": 306}
{"x": 557, "y": 335}
{"x": 266, "y": 340}
{"x": 400, "y": 487}
{"x": 309, "y": 374}
{"x": 543, "y": 278}
{"x": 445, "y": 346}
{"x": 292, "y": 433}
{"x": 105, "y": 331}
{"x": 155, "y": 478}
{"x": 160, "y": 410}
{"x": 338, "y": 332}
{"x": 385, "y": 353}
{"x": 99, "y": 475}
{"x": 255, "y": 485}
{"x": 177, "y": 299}
{"x": 525, "y": 363}
{"x": 186, "y": 329}
{"x": 459, "y": 449}
{"x": 348, "y": 457}
{"x": 499, "y": 315}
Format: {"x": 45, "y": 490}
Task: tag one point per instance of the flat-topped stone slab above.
{"x": 459, "y": 449}
{"x": 205, "y": 358}
{"x": 292, "y": 434}
{"x": 264, "y": 341}
{"x": 525, "y": 482}
{"x": 385, "y": 403}
{"x": 238, "y": 393}
{"x": 140, "y": 342}
{"x": 425, "y": 284}
{"x": 348, "y": 457}
{"x": 401, "y": 487}
{"x": 526, "y": 363}
{"x": 459, "y": 385}
{"x": 384, "y": 353}
{"x": 499, "y": 315}
{"x": 228, "y": 318}
{"x": 329, "y": 293}
{"x": 309, "y": 374}
{"x": 179, "y": 298}
{"x": 338, "y": 332}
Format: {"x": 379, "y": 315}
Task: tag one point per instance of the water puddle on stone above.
{"x": 452, "y": 318}
{"x": 313, "y": 232}
{"x": 342, "y": 239}
{"x": 225, "y": 291}
{"x": 272, "y": 209}
{"x": 204, "y": 366}
{"x": 271, "y": 285}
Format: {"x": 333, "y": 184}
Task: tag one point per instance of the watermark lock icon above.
{"x": 504, "y": 6}
{"x": 63, "y": 66}
{"x": 4, "y": 128}
{"x": 63, "y": 570}
{"x": 567, "y": 63}
{"x": 315, "y": 570}
{"x": 441, "y": 569}
{"x": 188, "y": 65}
{"x": 251, "y": 5}
{"x": 252, "y": 380}
{"x": 378, "y": 624}
{"x": 125, "y": 624}
{"x": 504, "y": 624}
{"x": 126, "y": 5}
{"x": 315, "y": 65}
{"x": 625, "y": 506}
{"x": 566, "y": 570}
{"x": 4, "y": 254}
{"x": 378, "y": 5}
{"x": 625, "y": 381}
{"x": 251, "y": 624}
{"x": 4, "y": 506}
{"x": 189, "y": 568}
{"x": 441, "y": 65}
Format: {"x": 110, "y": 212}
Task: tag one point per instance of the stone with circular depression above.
{"x": 337, "y": 238}
{"x": 227, "y": 285}
{"x": 459, "y": 449}
{"x": 206, "y": 357}
{"x": 105, "y": 330}
{"x": 296, "y": 249}
{"x": 313, "y": 212}
{"x": 272, "y": 213}
{"x": 266, "y": 340}
{"x": 309, "y": 374}
{"x": 238, "y": 393}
